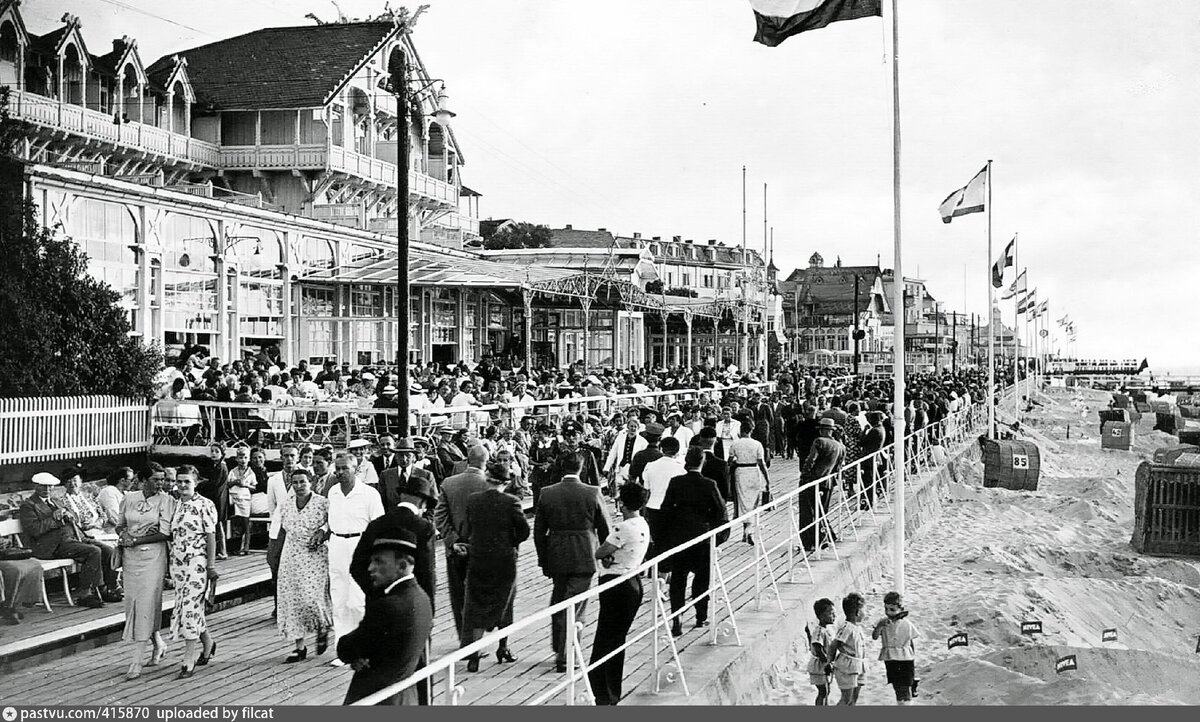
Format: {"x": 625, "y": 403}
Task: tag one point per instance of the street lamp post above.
{"x": 398, "y": 71}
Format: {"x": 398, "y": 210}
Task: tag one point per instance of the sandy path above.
{"x": 1060, "y": 555}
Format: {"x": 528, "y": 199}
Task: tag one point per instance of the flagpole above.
{"x": 1016, "y": 338}
{"x": 766, "y": 343}
{"x": 744, "y": 342}
{"x": 898, "y": 463}
{"x": 991, "y": 314}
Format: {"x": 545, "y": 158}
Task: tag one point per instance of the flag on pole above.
{"x": 968, "y": 199}
{"x": 1041, "y": 308}
{"x": 1063, "y": 321}
{"x": 1019, "y": 285}
{"x": 1145, "y": 365}
{"x": 1026, "y": 303}
{"x": 779, "y": 20}
{"x": 1004, "y": 261}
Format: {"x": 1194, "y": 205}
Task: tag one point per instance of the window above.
{"x": 708, "y": 280}
{"x": 316, "y": 253}
{"x": 366, "y": 301}
{"x": 687, "y": 279}
{"x": 106, "y": 232}
{"x": 317, "y": 301}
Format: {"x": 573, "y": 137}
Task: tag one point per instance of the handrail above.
{"x": 963, "y": 423}
{"x": 450, "y": 416}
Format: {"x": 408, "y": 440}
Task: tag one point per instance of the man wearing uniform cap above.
{"x": 652, "y": 433}
{"x": 389, "y": 642}
{"x": 53, "y": 535}
{"x": 570, "y": 447}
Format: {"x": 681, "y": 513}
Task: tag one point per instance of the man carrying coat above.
{"x": 388, "y": 643}
{"x": 450, "y": 516}
{"x": 568, "y": 524}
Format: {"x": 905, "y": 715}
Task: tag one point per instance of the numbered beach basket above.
{"x": 1119, "y": 415}
{"x": 1166, "y": 509}
{"x": 1116, "y": 435}
{"x": 1014, "y": 465}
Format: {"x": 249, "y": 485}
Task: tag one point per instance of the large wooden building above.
{"x": 243, "y": 195}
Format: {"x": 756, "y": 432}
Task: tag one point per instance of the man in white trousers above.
{"x": 352, "y": 505}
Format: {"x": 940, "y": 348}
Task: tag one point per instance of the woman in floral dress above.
{"x": 193, "y": 552}
{"x": 303, "y": 591}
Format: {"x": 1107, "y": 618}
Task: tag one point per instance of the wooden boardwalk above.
{"x": 248, "y": 667}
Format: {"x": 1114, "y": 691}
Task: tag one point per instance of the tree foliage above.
{"x": 61, "y": 330}
{"x": 519, "y": 235}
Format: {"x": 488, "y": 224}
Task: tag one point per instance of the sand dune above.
{"x": 1060, "y": 555}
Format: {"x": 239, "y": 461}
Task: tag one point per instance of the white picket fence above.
{"x": 70, "y": 427}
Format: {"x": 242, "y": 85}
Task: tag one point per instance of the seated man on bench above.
{"x": 52, "y": 535}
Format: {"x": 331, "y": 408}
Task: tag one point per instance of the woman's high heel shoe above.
{"x": 503, "y": 655}
{"x": 135, "y": 671}
{"x": 298, "y": 656}
{"x": 473, "y": 663}
{"x": 157, "y": 655}
{"x": 204, "y": 658}
{"x": 322, "y": 643}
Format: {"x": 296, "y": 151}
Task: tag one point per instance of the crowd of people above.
{"x": 352, "y": 534}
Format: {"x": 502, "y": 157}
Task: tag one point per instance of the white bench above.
{"x": 12, "y": 528}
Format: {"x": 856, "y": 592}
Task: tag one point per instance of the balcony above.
{"x": 319, "y": 156}
{"x": 95, "y": 126}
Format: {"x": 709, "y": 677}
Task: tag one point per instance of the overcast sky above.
{"x": 638, "y": 115}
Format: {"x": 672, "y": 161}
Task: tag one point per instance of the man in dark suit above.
{"x": 450, "y": 516}
{"x": 825, "y": 458}
{"x": 388, "y": 644}
{"x": 568, "y": 449}
{"x": 387, "y": 457}
{"x": 408, "y": 515}
{"x": 52, "y": 535}
{"x": 714, "y": 468}
{"x": 566, "y": 528}
{"x": 394, "y": 479}
{"x": 692, "y": 507}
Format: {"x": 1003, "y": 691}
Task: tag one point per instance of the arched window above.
{"x": 9, "y": 48}
{"x": 316, "y": 254}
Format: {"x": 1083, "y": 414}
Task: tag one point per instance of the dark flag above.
{"x": 779, "y": 20}
{"x": 1143, "y": 367}
{"x": 1005, "y": 261}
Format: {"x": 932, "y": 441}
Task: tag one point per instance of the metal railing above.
{"x": 832, "y": 515}
{"x": 199, "y": 423}
{"x": 69, "y": 427}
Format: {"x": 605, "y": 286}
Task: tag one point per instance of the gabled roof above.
{"x": 831, "y": 289}
{"x": 8, "y": 10}
{"x": 294, "y": 67}
{"x": 164, "y": 74}
{"x": 124, "y": 52}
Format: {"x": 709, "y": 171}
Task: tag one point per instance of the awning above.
{"x": 426, "y": 268}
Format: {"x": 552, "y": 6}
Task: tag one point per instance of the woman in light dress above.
{"x": 144, "y": 528}
{"x": 304, "y": 604}
{"x": 749, "y": 465}
{"x": 193, "y": 570}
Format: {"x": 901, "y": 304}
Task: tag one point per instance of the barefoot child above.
{"x": 899, "y": 650}
{"x": 849, "y": 665}
{"x": 820, "y": 638}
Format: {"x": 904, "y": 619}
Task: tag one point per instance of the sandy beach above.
{"x": 1060, "y": 555}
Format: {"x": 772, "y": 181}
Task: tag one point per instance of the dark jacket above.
{"x": 391, "y": 637}
{"x": 387, "y": 527}
{"x": 638, "y": 463}
{"x": 718, "y": 470}
{"x": 450, "y": 516}
{"x": 42, "y": 530}
{"x": 569, "y": 521}
{"x": 496, "y": 525}
{"x": 591, "y": 471}
{"x": 827, "y": 456}
{"x": 692, "y": 506}
{"x": 389, "y": 485}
